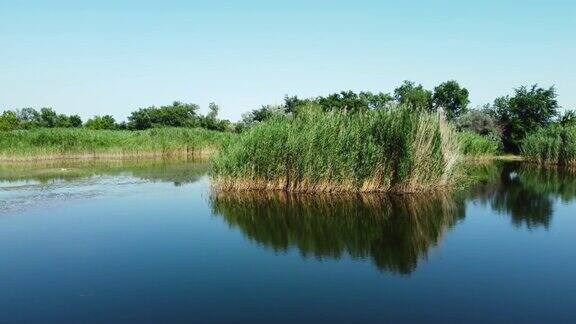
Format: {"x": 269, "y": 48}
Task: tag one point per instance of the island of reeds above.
{"x": 344, "y": 129}
{"x": 399, "y": 149}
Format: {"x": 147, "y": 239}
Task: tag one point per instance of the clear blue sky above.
{"x": 113, "y": 56}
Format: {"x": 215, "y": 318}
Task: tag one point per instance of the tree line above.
{"x": 177, "y": 114}
{"x": 509, "y": 118}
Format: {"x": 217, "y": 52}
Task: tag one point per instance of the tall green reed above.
{"x": 38, "y": 144}
{"x": 398, "y": 150}
{"x": 552, "y": 145}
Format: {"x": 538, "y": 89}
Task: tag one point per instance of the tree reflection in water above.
{"x": 527, "y": 192}
{"x": 396, "y": 232}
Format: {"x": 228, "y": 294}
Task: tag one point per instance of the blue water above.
{"x": 131, "y": 244}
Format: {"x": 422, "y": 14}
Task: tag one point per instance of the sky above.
{"x": 113, "y": 56}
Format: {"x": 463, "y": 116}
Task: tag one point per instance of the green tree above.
{"x": 48, "y": 117}
{"x": 379, "y": 100}
{"x": 213, "y": 113}
{"x": 75, "y": 121}
{"x": 29, "y": 115}
{"x": 261, "y": 114}
{"x": 176, "y": 115}
{"x": 479, "y": 122}
{"x": 8, "y": 121}
{"x": 529, "y": 108}
{"x": 211, "y": 121}
{"x": 414, "y": 96}
{"x": 62, "y": 121}
{"x": 291, "y": 104}
{"x": 347, "y": 101}
{"x": 451, "y": 98}
{"x": 101, "y": 122}
{"x": 568, "y": 118}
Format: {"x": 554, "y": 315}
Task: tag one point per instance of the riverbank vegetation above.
{"x": 178, "y": 114}
{"x": 526, "y": 122}
{"x": 555, "y": 144}
{"x": 62, "y": 143}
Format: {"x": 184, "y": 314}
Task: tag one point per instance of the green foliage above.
{"x": 8, "y": 121}
{"x": 48, "y": 117}
{"x": 479, "y": 122}
{"x": 451, "y": 98}
{"x": 568, "y": 118}
{"x": 377, "y": 150}
{"x": 344, "y": 101}
{"x": 349, "y": 101}
{"x": 211, "y": 121}
{"x": 75, "y": 121}
{"x": 525, "y": 112}
{"x": 291, "y": 103}
{"x": 414, "y": 96}
{"x": 101, "y": 122}
{"x": 262, "y": 114}
{"x": 553, "y": 144}
{"x": 29, "y": 118}
{"x": 473, "y": 144}
{"x": 176, "y": 115}
{"x": 48, "y": 143}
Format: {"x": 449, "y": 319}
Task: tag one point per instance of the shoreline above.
{"x": 203, "y": 153}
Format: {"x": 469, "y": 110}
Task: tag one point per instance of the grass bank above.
{"x": 397, "y": 150}
{"x": 70, "y": 143}
{"x": 552, "y": 145}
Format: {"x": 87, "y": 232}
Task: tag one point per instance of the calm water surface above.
{"x": 149, "y": 242}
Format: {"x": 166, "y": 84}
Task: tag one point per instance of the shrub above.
{"x": 479, "y": 122}
{"x": 8, "y": 121}
{"x": 101, "y": 122}
{"x": 472, "y": 144}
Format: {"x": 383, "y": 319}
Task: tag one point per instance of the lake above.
{"x": 151, "y": 242}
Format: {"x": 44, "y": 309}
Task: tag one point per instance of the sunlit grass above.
{"x": 58, "y": 143}
{"x": 398, "y": 150}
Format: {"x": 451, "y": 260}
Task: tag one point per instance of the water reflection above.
{"x": 177, "y": 171}
{"x": 526, "y": 193}
{"x": 25, "y": 186}
{"x": 395, "y": 232}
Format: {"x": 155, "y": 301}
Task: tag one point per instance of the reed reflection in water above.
{"x": 396, "y": 232}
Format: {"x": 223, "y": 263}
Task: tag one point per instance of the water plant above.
{"x": 475, "y": 145}
{"x": 555, "y": 144}
{"x": 382, "y": 150}
{"x": 58, "y": 143}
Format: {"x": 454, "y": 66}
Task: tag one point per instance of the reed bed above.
{"x": 473, "y": 145}
{"x": 68, "y": 143}
{"x": 552, "y": 145}
{"x": 396, "y": 150}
